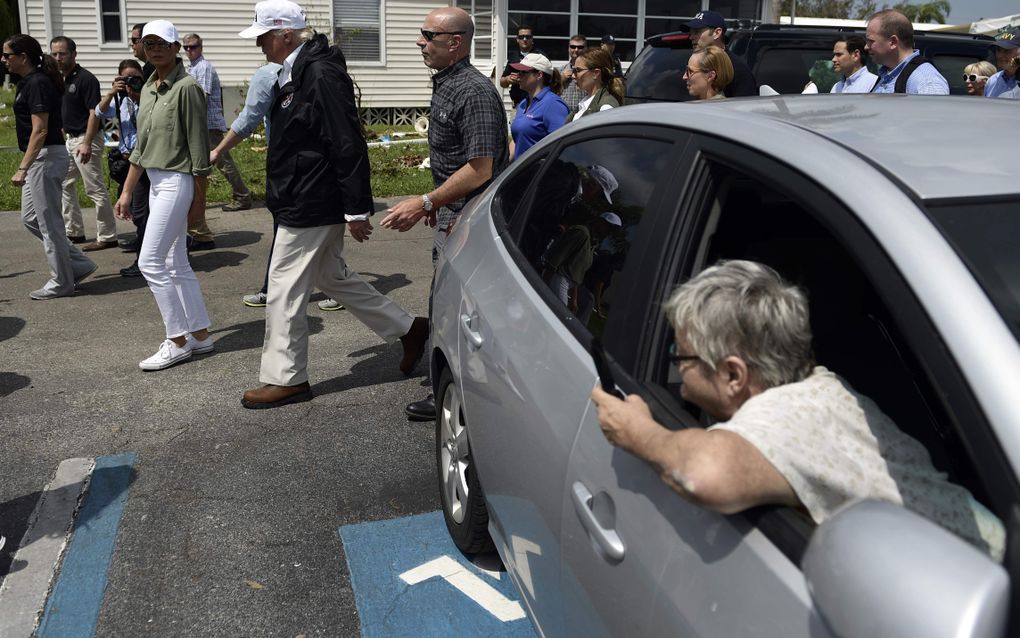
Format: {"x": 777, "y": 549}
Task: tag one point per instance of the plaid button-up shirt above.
{"x": 467, "y": 121}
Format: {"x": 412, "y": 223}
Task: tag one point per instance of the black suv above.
{"x": 785, "y": 57}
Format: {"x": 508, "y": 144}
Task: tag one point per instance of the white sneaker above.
{"x": 168, "y": 354}
{"x": 255, "y": 300}
{"x": 205, "y": 346}
{"x": 330, "y": 304}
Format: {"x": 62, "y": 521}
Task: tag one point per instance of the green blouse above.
{"x": 173, "y": 134}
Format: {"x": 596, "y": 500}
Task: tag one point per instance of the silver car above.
{"x": 901, "y": 218}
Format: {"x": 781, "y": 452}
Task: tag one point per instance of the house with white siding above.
{"x": 378, "y": 36}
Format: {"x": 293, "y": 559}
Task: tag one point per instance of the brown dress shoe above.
{"x": 99, "y": 245}
{"x": 273, "y": 396}
{"x": 414, "y": 344}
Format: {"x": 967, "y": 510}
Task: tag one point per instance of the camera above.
{"x": 133, "y": 82}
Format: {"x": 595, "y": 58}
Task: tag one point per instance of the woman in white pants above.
{"x": 37, "y": 121}
{"x": 173, "y": 149}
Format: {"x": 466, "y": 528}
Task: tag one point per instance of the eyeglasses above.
{"x": 576, "y": 46}
{"x": 691, "y": 71}
{"x": 973, "y": 78}
{"x": 6, "y": 55}
{"x": 156, "y": 44}
{"x": 578, "y": 69}
{"x": 431, "y": 35}
{"x": 676, "y": 358}
{"x": 191, "y": 47}
{"x": 525, "y": 37}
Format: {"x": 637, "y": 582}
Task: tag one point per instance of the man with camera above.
{"x": 121, "y": 102}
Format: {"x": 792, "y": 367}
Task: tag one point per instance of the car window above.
{"x": 951, "y": 68}
{"x": 984, "y": 234}
{"x": 658, "y": 73}
{"x": 788, "y": 70}
{"x": 514, "y": 193}
{"x": 580, "y": 224}
{"x": 855, "y": 333}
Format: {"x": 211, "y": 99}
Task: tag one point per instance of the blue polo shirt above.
{"x": 999, "y": 84}
{"x": 537, "y": 117}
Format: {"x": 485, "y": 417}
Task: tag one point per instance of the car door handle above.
{"x": 467, "y": 322}
{"x": 607, "y": 539}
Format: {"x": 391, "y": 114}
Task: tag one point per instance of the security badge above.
{"x": 287, "y": 100}
{"x": 73, "y": 88}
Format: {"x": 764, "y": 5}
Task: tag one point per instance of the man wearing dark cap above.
{"x": 1007, "y": 48}
{"x": 708, "y": 28}
{"x": 609, "y": 44}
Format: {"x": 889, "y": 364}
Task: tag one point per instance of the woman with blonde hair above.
{"x": 975, "y": 75}
{"x": 709, "y": 72}
{"x": 594, "y": 75}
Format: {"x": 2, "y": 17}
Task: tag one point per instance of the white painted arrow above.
{"x": 469, "y": 584}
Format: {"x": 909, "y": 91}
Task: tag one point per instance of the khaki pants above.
{"x": 306, "y": 258}
{"x": 229, "y": 168}
{"x": 95, "y": 187}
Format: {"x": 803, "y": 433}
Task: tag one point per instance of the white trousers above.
{"x": 163, "y": 258}
{"x": 303, "y": 259}
{"x": 95, "y": 187}
{"x": 40, "y": 212}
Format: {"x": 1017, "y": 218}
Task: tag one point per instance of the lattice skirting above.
{"x": 393, "y": 116}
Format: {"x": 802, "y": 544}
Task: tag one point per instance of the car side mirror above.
{"x": 877, "y": 569}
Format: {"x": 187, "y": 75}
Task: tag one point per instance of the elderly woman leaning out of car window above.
{"x": 788, "y": 432}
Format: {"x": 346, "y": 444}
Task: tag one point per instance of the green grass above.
{"x": 394, "y": 169}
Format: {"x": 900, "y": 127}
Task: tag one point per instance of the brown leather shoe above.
{"x": 414, "y": 344}
{"x": 99, "y": 245}
{"x": 273, "y": 396}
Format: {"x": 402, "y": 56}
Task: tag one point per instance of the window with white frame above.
{"x": 111, "y": 21}
{"x": 481, "y": 12}
{"x": 357, "y": 29}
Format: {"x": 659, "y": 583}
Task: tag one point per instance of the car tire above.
{"x": 467, "y": 518}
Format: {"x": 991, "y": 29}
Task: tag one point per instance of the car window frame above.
{"x": 782, "y": 525}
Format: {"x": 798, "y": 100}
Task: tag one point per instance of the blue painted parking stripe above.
{"x": 410, "y": 580}
{"x": 73, "y": 607}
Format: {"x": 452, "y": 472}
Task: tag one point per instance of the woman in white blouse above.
{"x": 593, "y": 73}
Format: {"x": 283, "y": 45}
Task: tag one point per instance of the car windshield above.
{"x": 985, "y": 234}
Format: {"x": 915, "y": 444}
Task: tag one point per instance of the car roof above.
{"x": 938, "y": 147}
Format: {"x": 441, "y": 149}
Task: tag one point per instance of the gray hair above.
{"x": 745, "y": 309}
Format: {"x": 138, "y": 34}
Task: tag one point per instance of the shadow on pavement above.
{"x": 386, "y": 283}
{"x": 10, "y": 327}
{"x": 109, "y": 283}
{"x": 250, "y": 334}
{"x": 11, "y": 275}
{"x": 207, "y": 261}
{"x": 11, "y": 382}
{"x": 380, "y": 367}
{"x": 236, "y": 239}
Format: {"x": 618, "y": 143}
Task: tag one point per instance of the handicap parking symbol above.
{"x": 410, "y": 580}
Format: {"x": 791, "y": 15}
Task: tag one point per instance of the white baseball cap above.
{"x": 535, "y": 61}
{"x": 275, "y": 14}
{"x": 612, "y": 218}
{"x": 161, "y": 29}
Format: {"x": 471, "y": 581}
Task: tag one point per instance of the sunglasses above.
{"x": 576, "y": 46}
{"x": 6, "y": 55}
{"x": 192, "y": 47}
{"x": 525, "y": 37}
{"x": 156, "y": 44}
{"x": 973, "y": 78}
{"x": 431, "y": 35}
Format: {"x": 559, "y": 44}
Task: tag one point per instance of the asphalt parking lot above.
{"x": 220, "y": 520}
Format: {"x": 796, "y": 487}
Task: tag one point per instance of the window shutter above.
{"x": 357, "y": 29}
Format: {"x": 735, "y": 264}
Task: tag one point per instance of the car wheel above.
{"x": 463, "y": 502}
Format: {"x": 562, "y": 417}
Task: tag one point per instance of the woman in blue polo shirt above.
{"x": 542, "y": 111}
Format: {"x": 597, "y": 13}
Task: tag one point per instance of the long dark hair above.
{"x": 21, "y": 43}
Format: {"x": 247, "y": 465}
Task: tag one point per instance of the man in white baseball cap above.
{"x": 314, "y": 203}
{"x": 274, "y": 14}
